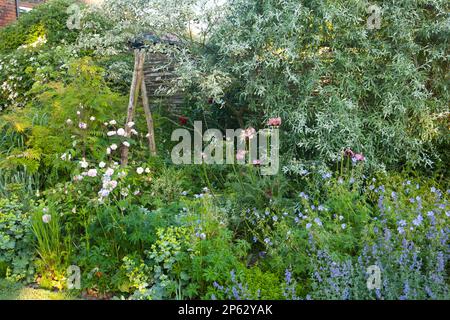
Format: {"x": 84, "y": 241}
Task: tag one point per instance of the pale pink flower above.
{"x": 240, "y": 155}
{"x": 109, "y": 172}
{"x": 359, "y": 157}
{"x": 256, "y": 162}
{"x": 248, "y": 134}
{"x": 46, "y": 218}
{"x": 274, "y": 122}
{"x": 78, "y": 178}
{"x": 92, "y": 173}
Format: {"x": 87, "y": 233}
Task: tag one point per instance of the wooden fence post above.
{"x": 139, "y": 57}
{"x": 149, "y": 119}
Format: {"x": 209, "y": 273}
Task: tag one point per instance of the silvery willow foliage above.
{"x": 336, "y": 83}
{"x": 108, "y": 28}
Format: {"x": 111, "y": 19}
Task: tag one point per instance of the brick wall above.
{"x": 7, "y": 12}
{"x": 8, "y": 9}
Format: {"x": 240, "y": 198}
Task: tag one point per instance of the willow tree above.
{"x": 337, "y": 77}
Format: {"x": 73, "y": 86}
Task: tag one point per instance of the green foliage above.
{"x": 334, "y": 82}
{"x": 150, "y": 230}
{"x": 40, "y": 134}
{"x": 16, "y": 248}
{"x": 51, "y": 246}
{"x": 47, "y": 20}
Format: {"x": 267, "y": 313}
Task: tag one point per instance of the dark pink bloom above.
{"x": 349, "y": 153}
{"x": 359, "y": 157}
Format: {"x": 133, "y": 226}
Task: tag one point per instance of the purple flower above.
{"x": 288, "y": 276}
{"x": 303, "y": 195}
{"x": 418, "y": 221}
{"x": 326, "y": 176}
{"x": 394, "y": 195}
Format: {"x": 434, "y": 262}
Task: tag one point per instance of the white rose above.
{"x": 102, "y": 164}
{"x": 108, "y": 150}
{"x": 114, "y": 146}
{"x": 140, "y": 170}
{"x": 121, "y": 132}
{"x": 92, "y": 118}
{"x": 113, "y": 122}
{"x": 111, "y": 133}
{"x": 84, "y": 164}
{"x": 130, "y": 124}
{"x": 126, "y": 144}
